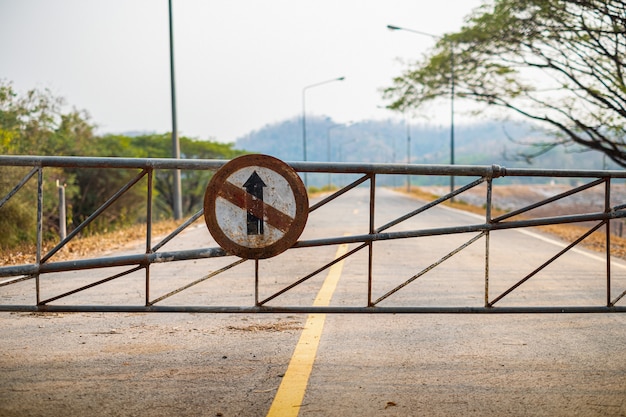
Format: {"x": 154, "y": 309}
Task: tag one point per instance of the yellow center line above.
{"x": 290, "y": 393}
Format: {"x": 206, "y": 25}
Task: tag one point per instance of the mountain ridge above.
{"x": 391, "y": 141}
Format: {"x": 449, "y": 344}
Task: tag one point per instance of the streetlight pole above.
{"x": 393, "y": 148}
{"x": 451, "y": 115}
{"x": 304, "y": 117}
{"x": 176, "y": 197}
{"x": 408, "y": 150}
{"x": 328, "y": 144}
{"x": 452, "y": 82}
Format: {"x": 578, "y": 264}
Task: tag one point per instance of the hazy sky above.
{"x": 240, "y": 64}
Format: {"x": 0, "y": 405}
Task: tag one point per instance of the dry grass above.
{"x": 279, "y": 326}
{"x": 81, "y": 247}
{"x": 567, "y": 232}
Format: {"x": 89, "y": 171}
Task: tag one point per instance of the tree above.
{"x": 558, "y": 62}
{"x": 27, "y": 120}
{"x": 33, "y": 123}
{"x": 193, "y": 182}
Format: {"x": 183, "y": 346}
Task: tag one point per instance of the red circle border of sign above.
{"x": 300, "y": 196}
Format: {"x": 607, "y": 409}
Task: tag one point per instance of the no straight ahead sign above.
{"x": 256, "y": 206}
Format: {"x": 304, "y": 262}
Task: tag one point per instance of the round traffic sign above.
{"x": 256, "y": 206}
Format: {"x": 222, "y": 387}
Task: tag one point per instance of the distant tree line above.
{"x": 35, "y": 123}
{"x": 482, "y": 142}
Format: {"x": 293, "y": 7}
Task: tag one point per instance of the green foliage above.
{"x": 34, "y": 123}
{"x": 193, "y": 183}
{"x": 556, "y": 62}
{"x": 17, "y": 219}
{"x": 323, "y": 189}
{"x": 30, "y": 124}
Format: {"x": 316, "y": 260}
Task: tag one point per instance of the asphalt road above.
{"x": 124, "y": 364}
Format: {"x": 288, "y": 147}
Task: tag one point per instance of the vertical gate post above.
{"x": 607, "y": 209}
{"x": 39, "y": 227}
{"x": 488, "y": 221}
{"x": 149, "y": 250}
{"x": 62, "y": 212}
{"x": 371, "y": 243}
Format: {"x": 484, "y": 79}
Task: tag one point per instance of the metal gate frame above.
{"x": 367, "y": 172}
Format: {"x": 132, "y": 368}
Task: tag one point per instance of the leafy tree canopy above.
{"x": 559, "y": 62}
{"x": 35, "y": 123}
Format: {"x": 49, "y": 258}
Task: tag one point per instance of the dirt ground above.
{"x": 58, "y": 365}
{"x": 83, "y": 364}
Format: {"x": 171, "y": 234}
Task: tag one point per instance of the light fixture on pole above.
{"x": 304, "y": 117}
{"x": 176, "y": 191}
{"x": 391, "y": 27}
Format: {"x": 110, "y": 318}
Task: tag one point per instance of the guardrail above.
{"x": 367, "y": 173}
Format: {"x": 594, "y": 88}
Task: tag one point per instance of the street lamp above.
{"x": 304, "y": 117}
{"x": 391, "y": 27}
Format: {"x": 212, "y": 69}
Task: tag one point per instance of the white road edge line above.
{"x": 545, "y": 239}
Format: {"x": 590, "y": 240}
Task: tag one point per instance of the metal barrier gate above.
{"x": 14, "y": 275}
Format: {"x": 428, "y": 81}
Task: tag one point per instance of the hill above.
{"x": 386, "y": 141}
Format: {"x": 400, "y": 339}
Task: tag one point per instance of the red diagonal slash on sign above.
{"x": 260, "y": 209}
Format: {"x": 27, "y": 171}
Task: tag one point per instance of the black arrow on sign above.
{"x": 254, "y": 203}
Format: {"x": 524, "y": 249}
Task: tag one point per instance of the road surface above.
{"x": 125, "y": 364}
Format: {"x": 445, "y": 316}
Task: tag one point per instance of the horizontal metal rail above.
{"x": 203, "y": 253}
{"x": 314, "y": 309}
{"x": 489, "y": 171}
{"x": 15, "y": 274}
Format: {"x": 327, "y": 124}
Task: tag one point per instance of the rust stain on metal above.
{"x": 269, "y": 214}
{"x": 256, "y": 206}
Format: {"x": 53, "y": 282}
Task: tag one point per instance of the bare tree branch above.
{"x": 557, "y": 62}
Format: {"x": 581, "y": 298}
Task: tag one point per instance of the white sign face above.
{"x": 256, "y": 206}
{"x": 248, "y": 230}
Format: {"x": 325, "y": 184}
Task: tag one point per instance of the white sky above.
{"x": 240, "y": 64}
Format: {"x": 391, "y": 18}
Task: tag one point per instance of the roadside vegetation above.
{"x": 87, "y": 246}
{"x": 35, "y": 123}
